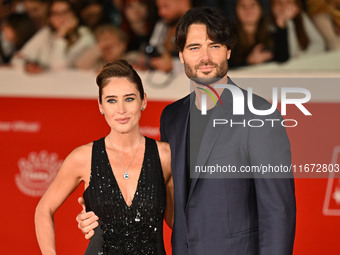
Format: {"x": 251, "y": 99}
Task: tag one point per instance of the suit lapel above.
{"x": 211, "y": 134}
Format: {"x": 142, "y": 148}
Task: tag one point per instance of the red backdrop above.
{"x": 36, "y": 134}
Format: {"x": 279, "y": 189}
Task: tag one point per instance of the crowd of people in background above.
{"x": 39, "y": 35}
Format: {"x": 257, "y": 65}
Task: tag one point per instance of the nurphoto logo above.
{"x": 239, "y": 103}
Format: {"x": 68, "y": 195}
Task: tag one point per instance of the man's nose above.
{"x": 205, "y": 53}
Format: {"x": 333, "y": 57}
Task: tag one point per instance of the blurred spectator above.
{"x": 139, "y": 18}
{"x": 161, "y": 52}
{"x": 255, "y": 43}
{"x": 58, "y": 45}
{"x": 6, "y": 7}
{"x": 92, "y": 13}
{"x": 303, "y": 37}
{"x": 16, "y": 30}
{"x": 37, "y": 10}
{"x": 113, "y": 10}
{"x": 228, "y": 6}
{"x": 111, "y": 45}
{"x": 326, "y": 17}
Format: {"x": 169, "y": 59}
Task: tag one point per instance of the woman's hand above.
{"x": 259, "y": 55}
{"x": 284, "y": 12}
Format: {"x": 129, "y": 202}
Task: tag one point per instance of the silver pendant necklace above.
{"x": 126, "y": 174}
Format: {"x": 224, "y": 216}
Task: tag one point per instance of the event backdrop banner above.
{"x": 38, "y": 132}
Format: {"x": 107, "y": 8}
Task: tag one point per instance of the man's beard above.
{"x": 221, "y": 71}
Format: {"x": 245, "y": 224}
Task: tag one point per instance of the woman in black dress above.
{"x": 127, "y": 176}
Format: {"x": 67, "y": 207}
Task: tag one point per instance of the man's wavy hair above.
{"x": 219, "y": 28}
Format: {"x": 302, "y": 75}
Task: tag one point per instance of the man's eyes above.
{"x": 216, "y": 46}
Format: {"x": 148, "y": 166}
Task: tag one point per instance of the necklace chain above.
{"x": 126, "y": 174}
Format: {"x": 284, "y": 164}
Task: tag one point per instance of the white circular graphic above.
{"x": 37, "y": 172}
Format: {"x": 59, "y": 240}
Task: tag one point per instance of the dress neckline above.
{"x": 115, "y": 180}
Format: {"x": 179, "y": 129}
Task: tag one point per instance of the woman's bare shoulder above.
{"x": 81, "y": 155}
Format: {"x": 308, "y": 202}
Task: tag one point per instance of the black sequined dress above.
{"x": 122, "y": 230}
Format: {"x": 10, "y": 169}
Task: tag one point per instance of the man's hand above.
{"x": 87, "y": 221}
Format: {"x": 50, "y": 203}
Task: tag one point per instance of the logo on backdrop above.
{"x": 331, "y": 204}
{"x": 37, "y": 172}
{"x": 239, "y": 103}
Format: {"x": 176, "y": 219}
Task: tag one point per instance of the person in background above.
{"x": 110, "y": 46}
{"x": 37, "y": 10}
{"x": 92, "y": 14}
{"x": 16, "y": 30}
{"x": 6, "y": 47}
{"x": 58, "y": 45}
{"x": 326, "y": 17}
{"x": 161, "y": 52}
{"x": 139, "y": 18}
{"x": 6, "y": 7}
{"x": 113, "y": 11}
{"x": 303, "y": 37}
{"x": 255, "y": 42}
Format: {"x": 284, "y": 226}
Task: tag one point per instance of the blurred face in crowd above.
{"x": 280, "y": 6}
{"x": 92, "y": 14}
{"x": 248, "y": 11}
{"x": 8, "y": 33}
{"x": 37, "y": 10}
{"x": 60, "y": 14}
{"x": 169, "y": 10}
{"x": 111, "y": 45}
{"x": 205, "y": 61}
{"x": 136, "y": 11}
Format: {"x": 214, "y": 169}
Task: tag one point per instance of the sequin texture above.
{"x": 135, "y": 229}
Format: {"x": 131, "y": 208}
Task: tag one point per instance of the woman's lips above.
{"x": 122, "y": 120}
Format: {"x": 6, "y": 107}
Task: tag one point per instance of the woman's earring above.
{"x": 101, "y": 112}
{"x": 143, "y": 108}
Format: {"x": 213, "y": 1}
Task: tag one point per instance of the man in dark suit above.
{"x": 218, "y": 213}
{"x": 224, "y": 212}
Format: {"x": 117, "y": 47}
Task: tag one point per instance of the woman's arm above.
{"x": 75, "y": 169}
{"x": 165, "y": 157}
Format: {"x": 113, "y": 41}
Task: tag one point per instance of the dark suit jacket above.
{"x": 230, "y": 215}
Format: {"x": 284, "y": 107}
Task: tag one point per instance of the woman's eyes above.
{"x": 128, "y": 99}
{"x": 111, "y": 101}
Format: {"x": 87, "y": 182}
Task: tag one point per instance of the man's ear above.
{"x": 181, "y": 57}
{"x": 228, "y": 54}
